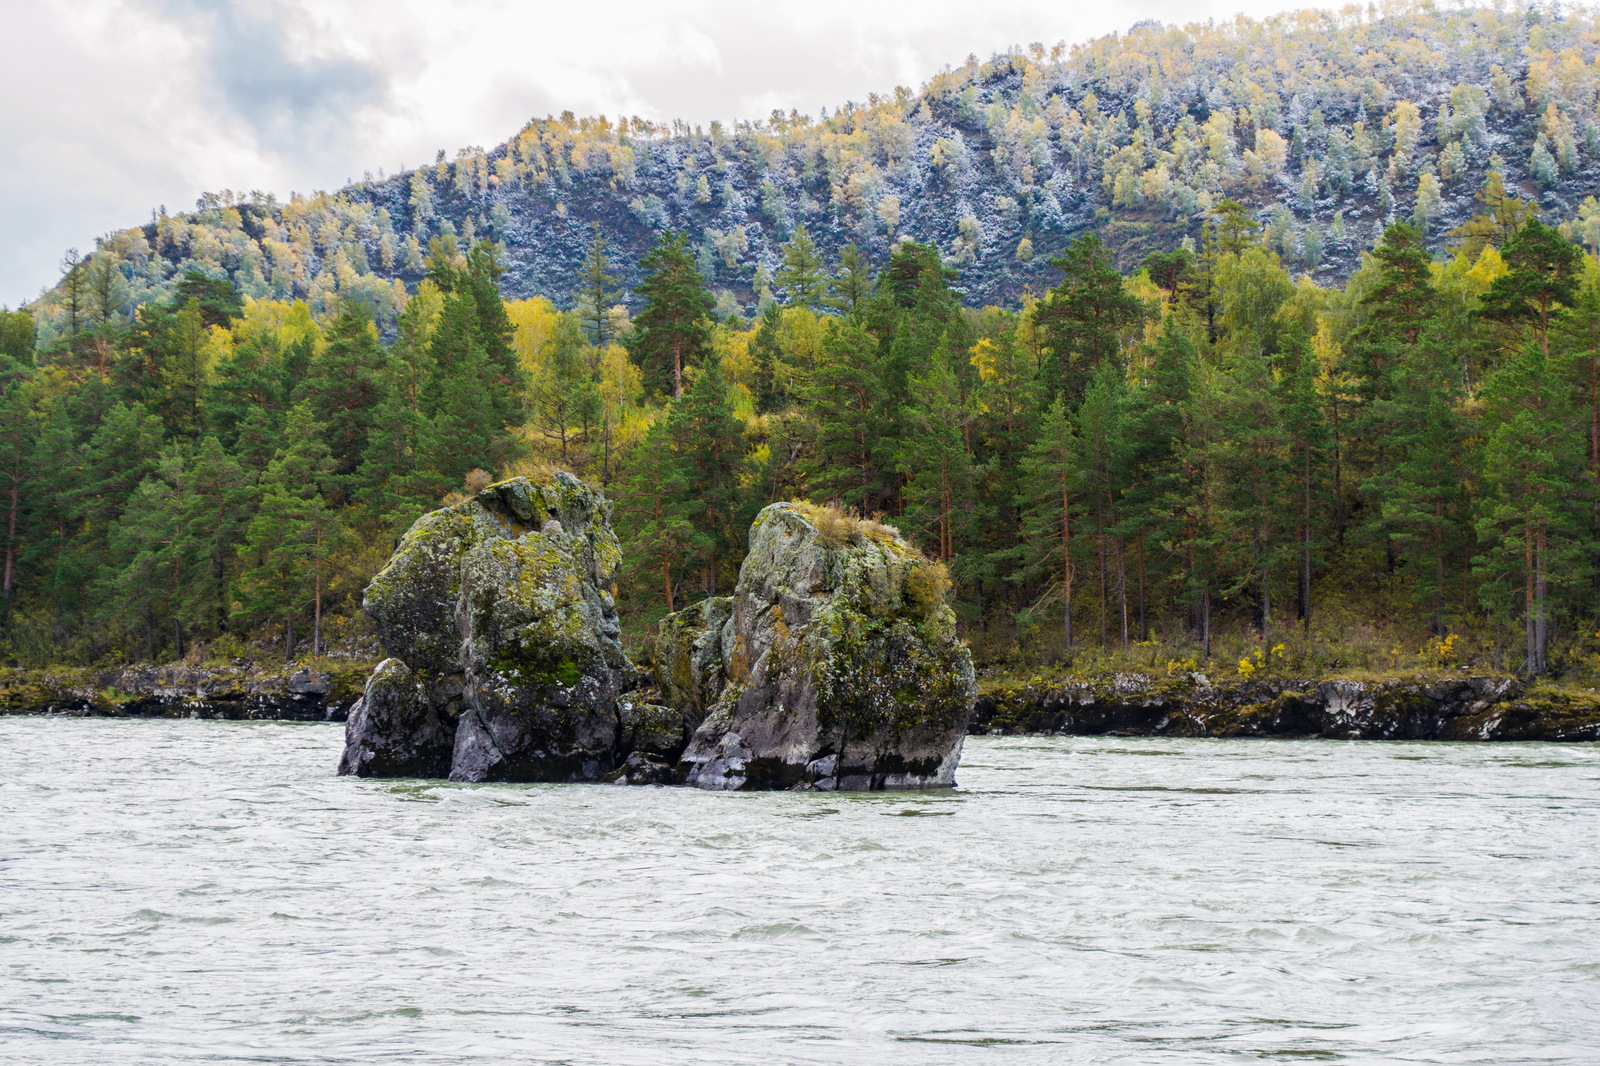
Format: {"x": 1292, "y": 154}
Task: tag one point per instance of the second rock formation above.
{"x": 834, "y": 665}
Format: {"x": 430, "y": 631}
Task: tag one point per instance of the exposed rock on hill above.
{"x": 506, "y": 663}
{"x": 1324, "y": 125}
{"x": 834, "y": 665}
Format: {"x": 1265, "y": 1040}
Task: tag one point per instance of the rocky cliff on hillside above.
{"x": 1192, "y": 705}
{"x": 505, "y": 662}
{"x": 834, "y": 665}
{"x": 1324, "y": 125}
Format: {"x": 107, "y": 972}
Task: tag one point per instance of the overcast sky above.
{"x": 109, "y": 108}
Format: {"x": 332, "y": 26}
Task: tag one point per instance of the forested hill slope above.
{"x": 1325, "y": 125}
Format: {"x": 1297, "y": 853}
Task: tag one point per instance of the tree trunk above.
{"x": 1100, "y": 536}
{"x": 1338, "y": 479}
{"x": 1541, "y": 624}
{"x": 11, "y": 537}
{"x": 1066, "y": 561}
{"x": 1305, "y": 549}
{"x": 1264, "y": 587}
{"x": 288, "y": 638}
{"x": 666, "y": 581}
{"x": 1438, "y": 568}
{"x": 1122, "y": 590}
{"x": 1144, "y": 626}
{"x": 316, "y": 618}
{"x": 1528, "y": 603}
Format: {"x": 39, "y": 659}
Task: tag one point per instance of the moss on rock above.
{"x": 839, "y": 663}
{"x": 504, "y": 603}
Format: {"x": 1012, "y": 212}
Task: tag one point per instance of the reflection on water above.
{"x": 185, "y": 892}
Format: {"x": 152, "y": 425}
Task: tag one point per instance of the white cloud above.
{"x": 113, "y": 107}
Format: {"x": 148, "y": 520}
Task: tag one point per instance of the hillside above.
{"x": 1324, "y": 125}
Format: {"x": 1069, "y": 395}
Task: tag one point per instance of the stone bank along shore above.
{"x": 1442, "y": 708}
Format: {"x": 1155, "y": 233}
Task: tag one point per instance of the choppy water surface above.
{"x": 180, "y": 892}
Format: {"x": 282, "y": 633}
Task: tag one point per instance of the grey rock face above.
{"x": 1439, "y": 708}
{"x": 395, "y": 730}
{"x": 498, "y": 617}
{"x": 838, "y": 661}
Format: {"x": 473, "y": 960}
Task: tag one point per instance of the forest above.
{"x": 1204, "y": 460}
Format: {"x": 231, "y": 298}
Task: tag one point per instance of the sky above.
{"x": 110, "y": 109}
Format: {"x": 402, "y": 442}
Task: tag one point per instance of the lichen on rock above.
{"x": 498, "y": 614}
{"x": 838, "y": 660}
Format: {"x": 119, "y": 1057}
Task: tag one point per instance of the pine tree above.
{"x": 467, "y": 424}
{"x": 652, "y": 528}
{"x": 1004, "y": 400}
{"x": 1084, "y": 315}
{"x": 19, "y": 430}
{"x": 1577, "y": 350}
{"x": 254, "y": 380}
{"x": 1542, "y": 280}
{"x": 344, "y": 386}
{"x": 1049, "y": 492}
{"x": 1531, "y": 460}
{"x": 851, "y": 457}
{"x": 852, "y": 284}
{"x": 1102, "y": 479}
{"x": 217, "y": 299}
{"x": 801, "y": 272}
{"x": 1309, "y": 441}
{"x": 149, "y": 558}
{"x": 123, "y": 452}
{"x": 1423, "y": 488}
{"x": 1249, "y": 457}
{"x": 493, "y": 325}
{"x": 673, "y": 331}
{"x": 213, "y": 511}
{"x": 397, "y": 484}
{"x": 934, "y": 460}
{"x": 597, "y": 291}
{"x": 291, "y": 541}
{"x": 708, "y": 442}
{"x": 1157, "y": 485}
{"x": 1401, "y": 304}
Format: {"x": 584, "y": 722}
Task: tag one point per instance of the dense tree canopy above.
{"x": 1207, "y": 456}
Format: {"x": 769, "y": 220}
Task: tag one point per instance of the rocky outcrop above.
{"x": 834, "y": 665}
{"x": 235, "y": 690}
{"x": 506, "y": 663}
{"x": 1192, "y": 705}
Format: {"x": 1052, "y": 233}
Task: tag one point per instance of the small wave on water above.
{"x": 177, "y": 892}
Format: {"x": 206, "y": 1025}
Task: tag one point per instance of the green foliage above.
{"x": 1542, "y": 279}
{"x": 597, "y": 291}
{"x": 672, "y": 333}
{"x": 16, "y": 337}
{"x": 1085, "y": 315}
{"x": 1166, "y": 460}
{"x": 801, "y": 273}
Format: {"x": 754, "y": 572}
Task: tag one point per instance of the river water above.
{"x": 193, "y": 891}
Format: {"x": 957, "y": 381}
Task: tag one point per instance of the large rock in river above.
{"x": 834, "y": 665}
{"x": 505, "y": 659}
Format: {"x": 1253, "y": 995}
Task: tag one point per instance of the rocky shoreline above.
{"x": 237, "y": 691}
{"x": 1440, "y": 708}
{"x": 1193, "y": 705}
